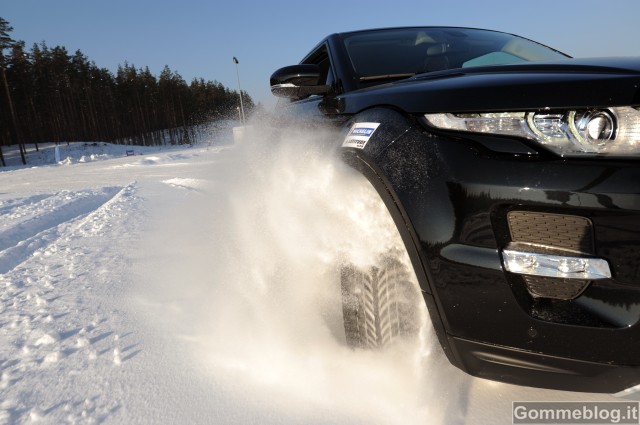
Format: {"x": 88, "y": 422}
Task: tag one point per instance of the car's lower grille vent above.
{"x": 557, "y": 231}
{"x": 549, "y": 287}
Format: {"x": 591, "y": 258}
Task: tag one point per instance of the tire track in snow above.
{"x": 57, "y": 316}
{"x": 13, "y": 206}
{"x": 21, "y": 241}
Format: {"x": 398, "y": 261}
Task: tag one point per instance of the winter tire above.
{"x": 380, "y": 305}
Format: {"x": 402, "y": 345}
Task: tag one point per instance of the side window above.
{"x": 330, "y": 78}
{"x": 321, "y": 58}
{"x": 327, "y": 72}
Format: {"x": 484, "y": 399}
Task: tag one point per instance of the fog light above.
{"x": 558, "y": 266}
{"x": 572, "y": 265}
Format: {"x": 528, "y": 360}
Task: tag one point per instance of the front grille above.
{"x": 555, "y": 232}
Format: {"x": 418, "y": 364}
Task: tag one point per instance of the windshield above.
{"x": 400, "y": 53}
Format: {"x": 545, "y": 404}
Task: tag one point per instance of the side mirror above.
{"x": 297, "y": 81}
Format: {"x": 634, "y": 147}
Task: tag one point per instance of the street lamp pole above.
{"x": 242, "y": 118}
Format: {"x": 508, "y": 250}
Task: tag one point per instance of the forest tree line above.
{"x": 50, "y": 95}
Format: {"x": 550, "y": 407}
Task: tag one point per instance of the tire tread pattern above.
{"x": 380, "y": 304}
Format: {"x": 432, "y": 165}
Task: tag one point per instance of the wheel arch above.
{"x": 368, "y": 168}
{"x": 392, "y": 125}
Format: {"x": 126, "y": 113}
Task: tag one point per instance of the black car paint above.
{"x": 510, "y": 91}
{"x": 567, "y": 84}
{"x": 442, "y": 187}
{"x": 449, "y": 195}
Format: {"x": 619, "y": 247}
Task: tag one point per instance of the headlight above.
{"x": 613, "y": 131}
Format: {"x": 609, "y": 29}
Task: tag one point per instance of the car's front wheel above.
{"x": 380, "y": 303}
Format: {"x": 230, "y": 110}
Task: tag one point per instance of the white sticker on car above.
{"x": 359, "y": 134}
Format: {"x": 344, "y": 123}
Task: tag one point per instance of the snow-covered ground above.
{"x": 198, "y": 286}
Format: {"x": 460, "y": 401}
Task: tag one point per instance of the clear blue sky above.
{"x": 199, "y": 38}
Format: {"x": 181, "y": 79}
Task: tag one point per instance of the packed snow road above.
{"x": 198, "y": 286}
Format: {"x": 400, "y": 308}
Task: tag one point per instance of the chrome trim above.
{"x": 558, "y": 266}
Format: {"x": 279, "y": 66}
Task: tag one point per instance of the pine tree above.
{"x": 6, "y": 42}
{"x": 47, "y": 94}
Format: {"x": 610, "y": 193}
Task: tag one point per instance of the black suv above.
{"x": 512, "y": 173}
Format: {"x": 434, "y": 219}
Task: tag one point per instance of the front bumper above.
{"x": 456, "y": 201}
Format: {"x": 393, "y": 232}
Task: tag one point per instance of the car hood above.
{"x": 571, "y": 83}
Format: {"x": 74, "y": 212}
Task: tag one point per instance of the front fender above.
{"x": 401, "y": 180}
{"x": 407, "y": 169}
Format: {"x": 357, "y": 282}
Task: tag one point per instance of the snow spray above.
{"x": 256, "y": 288}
